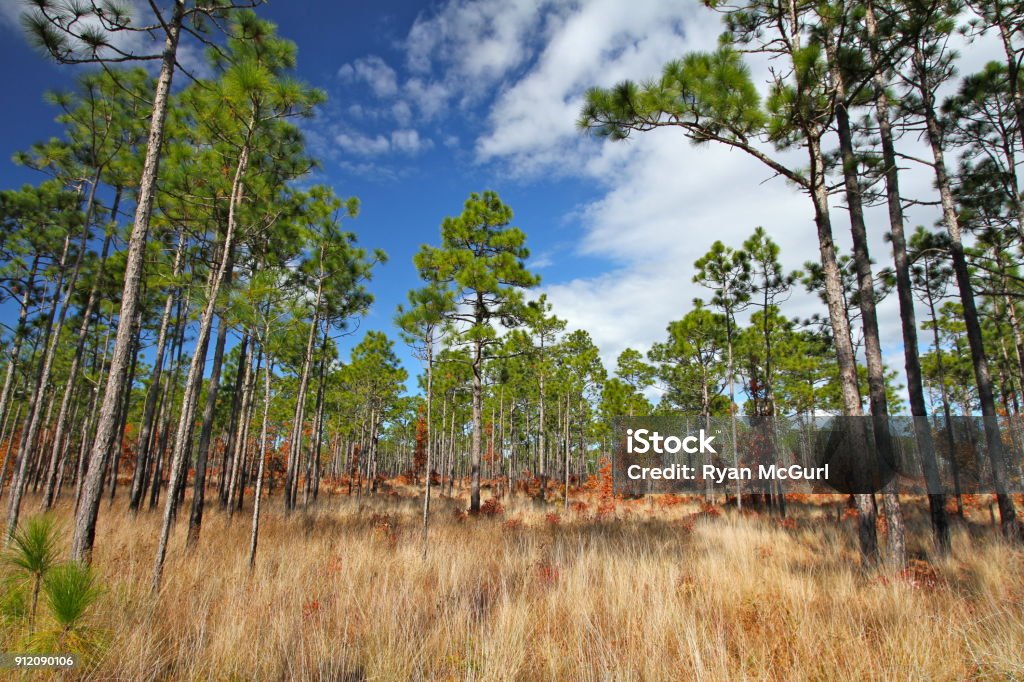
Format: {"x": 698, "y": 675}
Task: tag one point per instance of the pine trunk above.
{"x": 92, "y": 490}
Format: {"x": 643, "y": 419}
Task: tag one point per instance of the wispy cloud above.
{"x": 374, "y": 72}
{"x": 362, "y": 145}
{"x": 409, "y": 141}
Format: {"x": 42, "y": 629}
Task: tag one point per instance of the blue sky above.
{"x": 428, "y": 102}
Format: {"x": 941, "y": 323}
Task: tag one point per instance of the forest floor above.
{"x": 656, "y": 590}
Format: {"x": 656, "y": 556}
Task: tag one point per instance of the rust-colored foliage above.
{"x": 419, "y": 455}
{"x": 353, "y": 461}
{"x": 546, "y": 572}
{"x": 385, "y": 528}
{"x": 686, "y": 584}
{"x": 335, "y": 564}
{"x": 310, "y": 609}
{"x": 552, "y": 518}
{"x": 922, "y": 575}
{"x": 490, "y": 456}
{"x": 708, "y": 509}
{"x": 669, "y": 500}
{"x": 606, "y": 490}
{"x": 513, "y": 524}
{"x": 492, "y": 507}
{"x": 918, "y": 574}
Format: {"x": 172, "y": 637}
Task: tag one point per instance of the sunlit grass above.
{"x": 659, "y": 592}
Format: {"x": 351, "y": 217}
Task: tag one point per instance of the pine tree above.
{"x": 481, "y": 261}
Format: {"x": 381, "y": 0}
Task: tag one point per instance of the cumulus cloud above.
{"x": 374, "y": 72}
{"x": 405, "y": 141}
{"x": 362, "y": 145}
{"x": 402, "y": 112}
{"x": 409, "y": 142}
{"x": 532, "y": 122}
{"x": 477, "y": 39}
{"x": 431, "y": 98}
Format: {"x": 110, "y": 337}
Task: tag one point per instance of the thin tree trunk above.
{"x": 76, "y": 361}
{"x": 83, "y": 454}
{"x": 986, "y": 399}
{"x": 295, "y": 448}
{"x": 149, "y": 411}
{"x": 908, "y": 317}
{"x": 478, "y": 390}
{"x": 239, "y": 446}
{"x": 262, "y": 454}
{"x": 55, "y": 325}
{"x": 195, "y": 520}
{"x": 193, "y": 382}
{"x": 122, "y": 419}
{"x": 227, "y": 457}
{"x": 19, "y": 337}
{"x": 430, "y": 447}
{"x": 541, "y": 429}
{"x": 842, "y": 339}
{"x": 92, "y": 491}
{"x": 869, "y": 315}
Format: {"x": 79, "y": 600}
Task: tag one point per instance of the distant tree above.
{"x": 726, "y": 272}
{"x": 481, "y": 260}
{"x": 689, "y": 363}
{"x": 422, "y": 327}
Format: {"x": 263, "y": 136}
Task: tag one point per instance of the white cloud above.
{"x": 661, "y": 201}
{"x": 605, "y": 41}
{"x": 539, "y": 261}
{"x": 431, "y": 98}
{"x": 477, "y": 39}
{"x": 402, "y": 112}
{"x": 366, "y": 169}
{"x": 409, "y": 142}
{"x": 404, "y": 141}
{"x": 10, "y": 14}
{"x": 362, "y": 145}
{"x": 373, "y": 71}
{"x": 666, "y": 203}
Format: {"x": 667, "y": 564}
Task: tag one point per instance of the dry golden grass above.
{"x": 659, "y": 593}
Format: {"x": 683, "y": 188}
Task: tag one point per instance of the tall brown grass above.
{"x": 653, "y": 592}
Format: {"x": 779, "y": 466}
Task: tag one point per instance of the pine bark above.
{"x": 986, "y": 398}
{"x": 195, "y": 520}
{"x": 92, "y": 490}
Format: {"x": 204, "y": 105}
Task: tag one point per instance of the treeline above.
{"x": 180, "y": 287}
